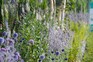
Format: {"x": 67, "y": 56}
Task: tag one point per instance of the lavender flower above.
{"x": 62, "y": 50}
{"x": 39, "y": 60}
{"x": 17, "y": 53}
{"x": 52, "y": 59}
{"x": 15, "y": 35}
{"x": 11, "y": 42}
{"x": 57, "y": 53}
{"x": 52, "y": 52}
{"x": 22, "y": 60}
{"x": 66, "y": 59}
{"x": 31, "y": 41}
{"x": 22, "y": 39}
{"x": 4, "y": 33}
{"x": 3, "y": 49}
{"x": 1, "y": 40}
{"x": 16, "y": 57}
{"x": 1, "y": 59}
{"x": 42, "y": 57}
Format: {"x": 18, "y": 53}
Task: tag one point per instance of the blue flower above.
{"x": 4, "y": 33}
{"x": 62, "y": 50}
{"x": 52, "y": 52}
{"x": 22, "y": 60}
{"x": 66, "y": 59}
{"x": 17, "y": 53}
{"x": 1, "y": 40}
{"x": 31, "y": 41}
{"x": 57, "y": 53}
{"x": 1, "y": 59}
{"x": 23, "y": 38}
{"x": 16, "y": 57}
{"x": 15, "y": 35}
{"x": 39, "y": 60}
{"x": 42, "y": 57}
{"x": 52, "y": 59}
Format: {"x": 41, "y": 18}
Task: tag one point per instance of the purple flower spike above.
{"x": 15, "y": 35}
{"x": 42, "y": 57}
{"x": 1, "y": 40}
{"x": 57, "y": 53}
{"x": 31, "y": 41}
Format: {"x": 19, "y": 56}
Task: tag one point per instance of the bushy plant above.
{"x": 89, "y": 51}
{"x": 8, "y": 52}
{"x": 80, "y": 33}
{"x": 35, "y": 35}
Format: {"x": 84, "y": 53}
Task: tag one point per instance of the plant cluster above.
{"x": 8, "y": 52}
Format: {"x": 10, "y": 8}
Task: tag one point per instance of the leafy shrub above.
{"x": 35, "y": 44}
{"x": 80, "y": 33}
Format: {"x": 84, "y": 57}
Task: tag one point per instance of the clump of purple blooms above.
{"x": 8, "y": 52}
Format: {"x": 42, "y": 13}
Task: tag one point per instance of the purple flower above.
{"x": 11, "y": 42}
{"x": 39, "y": 60}
{"x": 42, "y": 57}
{"x": 15, "y": 35}
{"x": 12, "y": 1}
{"x": 1, "y": 40}
{"x": 62, "y": 50}
{"x": 57, "y": 53}
{"x": 17, "y": 53}
{"x": 4, "y": 33}
{"x": 23, "y": 38}
{"x": 1, "y": 59}
{"x": 16, "y": 57}
{"x": 3, "y": 49}
{"x": 66, "y": 59}
{"x": 52, "y": 59}
{"x": 31, "y": 41}
{"x": 52, "y": 52}
{"x": 22, "y": 60}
